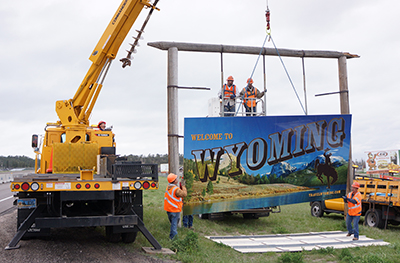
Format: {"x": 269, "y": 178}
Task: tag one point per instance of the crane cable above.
{"x": 269, "y": 37}
{"x": 287, "y": 73}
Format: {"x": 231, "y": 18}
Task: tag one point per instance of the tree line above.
{"x": 11, "y": 162}
{"x": 151, "y": 158}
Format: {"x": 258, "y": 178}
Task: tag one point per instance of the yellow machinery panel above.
{"x": 335, "y": 204}
{"x": 67, "y": 157}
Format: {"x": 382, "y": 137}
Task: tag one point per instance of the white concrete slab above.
{"x": 294, "y": 242}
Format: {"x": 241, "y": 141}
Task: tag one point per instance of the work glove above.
{"x": 352, "y": 201}
{"x": 220, "y": 97}
{"x": 233, "y": 96}
{"x": 344, "y": 198}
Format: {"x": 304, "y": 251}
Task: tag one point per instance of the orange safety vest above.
{"x": 251, "y": 102}
{"x": 354, "y": 209}
{"x": 228, "y": 91}
{"x": 172, "y": 203}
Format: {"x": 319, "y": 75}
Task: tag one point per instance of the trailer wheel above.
{"x": 373, "y": 218}
{"x": 129, "y": 237}
{"x": 316, "y": 209}
{"x": 111, "y": 236}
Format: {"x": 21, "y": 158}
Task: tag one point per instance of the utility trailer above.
{"x": 115, "y": 201}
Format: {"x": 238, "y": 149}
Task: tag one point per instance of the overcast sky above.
{"x": 45, "y": 46}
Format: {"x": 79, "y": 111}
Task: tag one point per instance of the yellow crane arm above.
{"x": 77, "y": 110}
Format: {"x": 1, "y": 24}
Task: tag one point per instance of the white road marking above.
{"x": 4, "y": 199}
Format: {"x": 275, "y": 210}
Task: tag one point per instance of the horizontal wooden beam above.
{"x": 195, "y": 47}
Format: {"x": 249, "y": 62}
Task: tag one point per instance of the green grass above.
{"x": 293, "y": 219}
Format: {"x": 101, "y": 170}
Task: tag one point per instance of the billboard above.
{"x": 382, "y": 160}
{"x": 236, "y": 163}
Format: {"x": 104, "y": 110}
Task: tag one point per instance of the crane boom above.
{"x": 76, "y": 111}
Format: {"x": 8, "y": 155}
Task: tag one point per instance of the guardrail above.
{"x": 6, "y": 178}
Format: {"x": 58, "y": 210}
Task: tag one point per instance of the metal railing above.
{"x": 240, "y": 109}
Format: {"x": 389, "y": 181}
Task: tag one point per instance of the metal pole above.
{"x": 222, "y": 109}
{"x": 265, "y": 88}
{"x": 173, "y": 146}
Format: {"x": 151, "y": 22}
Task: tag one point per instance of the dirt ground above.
{"x": 66, "y": 245}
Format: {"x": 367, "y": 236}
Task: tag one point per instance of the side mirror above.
{"x": 34, "y": 141}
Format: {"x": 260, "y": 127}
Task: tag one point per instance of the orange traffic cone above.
{"x": 50, "y": 169}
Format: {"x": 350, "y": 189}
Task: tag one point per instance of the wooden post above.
{"x": 345, "y": 109}
{"x": 173, "y": 144}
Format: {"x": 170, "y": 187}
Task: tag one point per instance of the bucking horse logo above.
{"x": 326, "y": 169}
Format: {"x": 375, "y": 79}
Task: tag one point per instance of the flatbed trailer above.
{"x": 380, "y": 202}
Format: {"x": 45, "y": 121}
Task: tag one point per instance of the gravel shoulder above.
{"x": 67, "y": 245}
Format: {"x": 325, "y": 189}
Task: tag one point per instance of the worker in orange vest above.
{"x": 173, "y": 202}
{"x": 353, "y": 200}
{"x": 249, "y": 95}
{"x": 229, "y": 99}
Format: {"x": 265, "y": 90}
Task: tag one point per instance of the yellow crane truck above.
{"x": 79, "y": 181}
{"x": 380, "y": 202}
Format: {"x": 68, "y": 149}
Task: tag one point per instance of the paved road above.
{"x": 6, "y": 198}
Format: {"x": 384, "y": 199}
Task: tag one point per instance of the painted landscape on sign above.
{"x": 236, "y": 163}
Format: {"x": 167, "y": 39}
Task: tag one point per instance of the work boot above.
{"x": 355, "y": 239}
{"x": 348, "y": 234}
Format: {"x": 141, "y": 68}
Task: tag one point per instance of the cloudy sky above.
{"x": 45, "y": 46}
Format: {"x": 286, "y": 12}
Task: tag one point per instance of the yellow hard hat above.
{"x": 171, "y": 177}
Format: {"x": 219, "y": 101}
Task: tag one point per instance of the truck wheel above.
{"x": 373, "y": 218}
{"x": 316, "y": 209}
{"x": 111, "y": 236}
{"x": 129, "y": 237}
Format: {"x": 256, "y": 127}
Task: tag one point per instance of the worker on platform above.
{"x": 229, "y": 99}
{"x": 173, "y": 202}
{"x": 102, "y": 125}
{"x": 249, "y": 95}
{"x": 353, "y": 199}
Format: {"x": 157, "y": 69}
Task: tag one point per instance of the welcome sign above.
{"x": 236, "y": 163}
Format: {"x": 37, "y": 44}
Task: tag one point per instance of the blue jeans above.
{"x": 355, "y": 220}
{"x": 229, "y": 110}
{"x": 250, "y": 110}
{"x": 174, "y": 220}
{"x": 188, "y": 221}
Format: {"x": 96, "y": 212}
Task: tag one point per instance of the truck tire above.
{"x": 111, "y": 236}
{"x": 373, "y": 218}
{"x": 316, "y": 209}
{"x": 129, "y": 237}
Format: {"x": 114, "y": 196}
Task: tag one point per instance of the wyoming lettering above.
{"x": 280, "y": 146}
